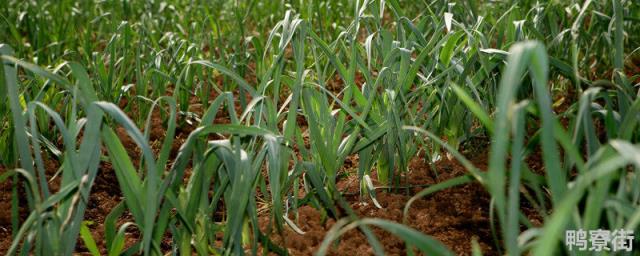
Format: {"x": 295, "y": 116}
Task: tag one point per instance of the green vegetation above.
{"x": 301, "y": 87}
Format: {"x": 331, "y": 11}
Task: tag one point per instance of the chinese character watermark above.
{"x": 599, "y": 240}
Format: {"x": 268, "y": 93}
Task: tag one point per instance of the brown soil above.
{"x": 51, "y": 166}
{"x": 453, "y": 216}
{"x": 5, "y": 213}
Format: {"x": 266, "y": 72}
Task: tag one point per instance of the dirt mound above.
{"x": 453, "y": 216}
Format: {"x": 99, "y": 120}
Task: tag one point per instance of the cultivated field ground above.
{"x": 320, "y": 127}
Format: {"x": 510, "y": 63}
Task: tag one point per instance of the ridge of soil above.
{"x": 452, "y": 216}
